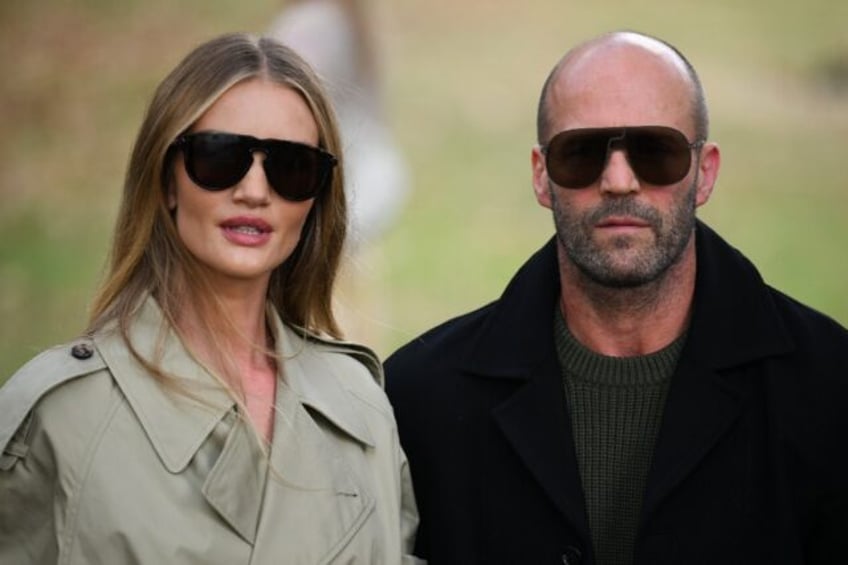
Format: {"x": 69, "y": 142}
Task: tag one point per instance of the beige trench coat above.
{"x": 100, "y": 465}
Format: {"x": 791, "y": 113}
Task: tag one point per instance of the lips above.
{"x": 622, "y": 222}
{"x": 246, "y": 225}
{"x": 246, "y": 231}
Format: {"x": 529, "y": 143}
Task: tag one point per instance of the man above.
{"x": 638, "y": 395}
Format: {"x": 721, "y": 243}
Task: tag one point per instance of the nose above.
{"x": 254, "y": 189}
{"x": 618, "y": 177}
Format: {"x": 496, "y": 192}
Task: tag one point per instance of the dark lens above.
{"x": 216, "y": 161}
{"x": 576, "y": 158}
{"x": 658, "y": 155}
{"x": 295, "y": 170}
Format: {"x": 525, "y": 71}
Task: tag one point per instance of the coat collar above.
{"x": 734, "y": 321}
{"x": 177, "y": 425}
{"x": 734, "y": 317}
{"x": 314, "y": 369}
{"x": 519, "y": 328}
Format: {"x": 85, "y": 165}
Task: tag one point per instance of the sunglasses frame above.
{"x": 617, "y": 138}
{"x": 248, "y": 145}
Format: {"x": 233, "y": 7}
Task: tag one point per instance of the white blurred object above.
{"x": 331, "y": 38}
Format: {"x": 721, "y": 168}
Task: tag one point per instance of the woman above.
{"x": 210, "y": 415}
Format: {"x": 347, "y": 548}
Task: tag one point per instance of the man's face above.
{"x": 624, "y": 242}
{"x": 621, "y": 231}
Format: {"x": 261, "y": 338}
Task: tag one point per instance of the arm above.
{"x": 27, "y": 479}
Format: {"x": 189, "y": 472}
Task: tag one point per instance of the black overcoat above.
{"x": 750, "y": 461}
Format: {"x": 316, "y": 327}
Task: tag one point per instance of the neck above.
{"x": 626, "y": 322}
{"x": 242, "y": 336}
{"x": 228, "y": 330}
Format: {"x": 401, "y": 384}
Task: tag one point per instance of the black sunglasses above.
{"x": 658, "y": 155}
{"x": 217, "y": 161}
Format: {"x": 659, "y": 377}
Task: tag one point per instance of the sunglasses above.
{"x": 658, "y": 155}
{"x": 217, "y": 161}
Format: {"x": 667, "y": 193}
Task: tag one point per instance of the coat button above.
{"x": 82, "y": 351}
{"x": 572, "y": 556}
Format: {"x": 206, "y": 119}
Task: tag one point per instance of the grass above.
{"x": 462, "y": 81}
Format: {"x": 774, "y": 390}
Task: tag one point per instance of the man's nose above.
{"x": 618, "y": 177}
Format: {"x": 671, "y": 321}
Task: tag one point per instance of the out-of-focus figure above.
{"x": 337, "y": 38}
{"x": 334, "y": 37}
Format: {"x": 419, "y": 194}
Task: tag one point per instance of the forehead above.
{"x": 261, "y": 108}
{"x": 628, "y": 82}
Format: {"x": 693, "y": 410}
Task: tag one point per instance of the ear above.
{"x": 708, "y": 166}
{"x": 171, "y": 192}
{"x": 541, "y": 183}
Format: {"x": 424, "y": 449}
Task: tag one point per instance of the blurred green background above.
{"x": 462, "y": 79}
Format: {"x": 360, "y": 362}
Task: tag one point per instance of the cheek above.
{"x": 192, "y": 209}
{"x": 294, "y": 216}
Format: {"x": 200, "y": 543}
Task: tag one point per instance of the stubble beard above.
{"x": 624, "y": 262}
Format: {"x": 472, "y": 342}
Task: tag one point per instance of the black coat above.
{"x": 750, "y": 461}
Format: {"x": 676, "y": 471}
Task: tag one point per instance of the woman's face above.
{"x": 244, "y": 232}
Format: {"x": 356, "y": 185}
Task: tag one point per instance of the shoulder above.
{"x": 437, "y": 351}
{"x": 803, "y": 320}
{"x": 333, "y": 375}
{"x": 813, "y": 333}
{"x": 349, "y": 354}
{"x": 446, "y": 340}
{"x": 51, "y": 387}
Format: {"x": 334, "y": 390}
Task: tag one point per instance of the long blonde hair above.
{"x": 147, "y": 254}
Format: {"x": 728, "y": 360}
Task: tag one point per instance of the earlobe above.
{"x": 171, "y": 195}
{"x": 541, "y": 184}
{"x": 708, "y": 166}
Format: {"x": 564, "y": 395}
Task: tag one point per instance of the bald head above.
{"x": 612, "y": 71}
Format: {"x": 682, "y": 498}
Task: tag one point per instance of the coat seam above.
{"x": 75, "y": 501}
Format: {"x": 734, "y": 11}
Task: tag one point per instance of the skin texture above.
{"x": 626, "y": 248}
{"x": 240, "y": 267}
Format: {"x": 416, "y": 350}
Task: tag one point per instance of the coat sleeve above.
{"x": 408, "y": 512}
{"x": 27, "y": 480}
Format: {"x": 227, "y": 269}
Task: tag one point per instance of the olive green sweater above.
{"x": 616, "y": 406}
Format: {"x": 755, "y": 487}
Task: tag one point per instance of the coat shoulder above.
{"x": 442, "y": 347}
{"x": 346, "y": 351}
{"x": 351, "y": 367}
{"x": 449, "y": 337}
{"x": 42, "y": 375}
{"x": 816, "y": 336}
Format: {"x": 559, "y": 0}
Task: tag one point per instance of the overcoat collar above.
{"x": 253, "y": 493}
{"x": 734, "y": 321}
{"x": 178, "y": 425}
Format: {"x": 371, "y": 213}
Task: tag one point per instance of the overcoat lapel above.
{"x": 538, "y": 429}
{"x": 234, "y": 487}
{"x": 311, "y": 494}
{"x": 202, "y": 430}
{"x": 303, "y": 490}
{"x": 701, "y": 407}
{"x": 733, "y": 323}
{"x": 517, "y": 344}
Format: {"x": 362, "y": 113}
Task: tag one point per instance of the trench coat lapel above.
{"x": 176, "y": 425}
{"x": 303, "y": 487}
{"x": 203, "y": 429}
{"x": 734, "y": 322}
{"x": 235, "y": 485}
{"x": 518, "y": 345}
{"x": 311, "y": 493}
